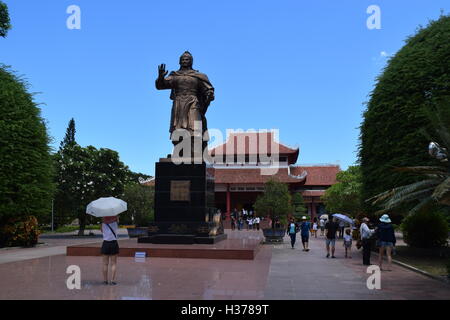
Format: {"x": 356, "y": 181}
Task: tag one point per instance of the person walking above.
{"x": 348, "y": 243}
{"x": 386, "y": 240}
{"x": 366, "y": 233}
{"x": 331, "y": 228}
{"x": 341, "y": 229}
{"x": 250, "y": 223}
{"x": 292, "y": 231}
{"x": 233, "y": 222}
{"x": 305, "y": 227}
{"x": 322, "y": 227}
{"x": 257, "y": 221}
{"x": 314, "y": 228}
{"x": 110, "y": 248}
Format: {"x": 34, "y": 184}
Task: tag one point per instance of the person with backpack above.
{"x": 110, "y": 248}
{"x": 292, "y": 230}
{"x": 331, "y": 228}
{"x": 305, "y": 228}
{"x": 386, "y": 240}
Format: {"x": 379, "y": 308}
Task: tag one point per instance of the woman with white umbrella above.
{"x": 108, "y": 209}
{"x": 110, "y": 248}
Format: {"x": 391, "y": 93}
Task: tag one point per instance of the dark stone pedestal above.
{"x": 184, "y": 205}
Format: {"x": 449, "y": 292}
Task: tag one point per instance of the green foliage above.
{"x": 21, "y": 231}
{"x": 414, "y": 80}
{"x": 345, "y": 196}
{"x": 69, "y": 139}
{"x": 84, "y": 175}
{"x": 425, "y": 229}
{"x": 140, "y": 201}
{"x": 298, "y": 205}
{"x": 26, "y": 171}
{"x": 5, "y": 24}
{"x": 275, "y": 201}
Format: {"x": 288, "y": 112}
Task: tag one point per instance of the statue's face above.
{"x": 185, "y": 61}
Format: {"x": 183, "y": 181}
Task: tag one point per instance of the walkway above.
{"x": 278, "y": 272}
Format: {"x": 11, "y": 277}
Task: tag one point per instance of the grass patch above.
{"x": 432, "y": 260}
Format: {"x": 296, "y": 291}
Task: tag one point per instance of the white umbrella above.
{"x": 106, "y": 207}
{"x": 324, "y": 217}
{"x": 343, "y": 218}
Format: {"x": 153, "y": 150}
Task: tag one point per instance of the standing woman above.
{"x": 386, "y": 240}
{"x": 110, "y": 248}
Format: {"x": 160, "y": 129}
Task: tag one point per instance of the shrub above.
{"x": 20, "y": 233}
{"x": 425, "y": 229}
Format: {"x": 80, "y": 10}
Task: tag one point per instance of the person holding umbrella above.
{"x": 110, "y": 248}
{"x": 108, "y": 209}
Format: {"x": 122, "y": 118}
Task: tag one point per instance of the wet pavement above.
{"x": 277, "y": 272}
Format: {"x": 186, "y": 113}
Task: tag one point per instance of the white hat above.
{"x": 304, "y": 218}
{"x": 385, "y": 218}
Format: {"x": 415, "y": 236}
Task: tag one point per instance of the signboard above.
{"x": 180, "y": 190}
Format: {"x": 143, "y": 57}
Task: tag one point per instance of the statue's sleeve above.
{"x": 166, "y": 83}
{"x": 207, "y": 89}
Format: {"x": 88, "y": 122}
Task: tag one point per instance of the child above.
{"x": 348, "y": 243}
{"x": 314, "y": 229}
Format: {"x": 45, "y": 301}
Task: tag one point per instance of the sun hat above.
{"x": 385, "y": 218}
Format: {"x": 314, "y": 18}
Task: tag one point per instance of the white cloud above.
{"x": 383, "y": 54}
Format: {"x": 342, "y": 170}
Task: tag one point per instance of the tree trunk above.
{"x": 82, "y": 223}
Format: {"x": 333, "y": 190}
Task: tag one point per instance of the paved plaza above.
{"x": 277, "y": 273}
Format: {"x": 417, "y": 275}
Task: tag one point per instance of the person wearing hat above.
{"x": 386, "y": 240}
{"x": 305, "y": 227}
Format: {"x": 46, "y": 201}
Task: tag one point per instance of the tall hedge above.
{"x": 414, "y": 80}
{"x": 26, "y": 187}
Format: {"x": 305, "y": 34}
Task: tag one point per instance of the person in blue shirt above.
{"x": 305, "y": 228}
{"x": 292, "y": 230}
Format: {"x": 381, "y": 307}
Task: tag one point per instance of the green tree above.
{"x": 415, "y": 79}
{"x": 26, "y": 173}
{"x": 140, "y": 201}
{"x": 298, "y": 204}
{"x": 275, "y": 201}
{"x": 433, "y": 186}
{"x": 84, "y": 175}
{"x": 69, "y": 138}
{"x": 345, "y": 196}
{"x": 5, "y": 24}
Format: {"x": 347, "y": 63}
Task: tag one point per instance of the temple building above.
{"x": 247, "y": 160}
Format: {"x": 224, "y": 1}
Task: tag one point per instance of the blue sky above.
{"x": 303, "y": 67}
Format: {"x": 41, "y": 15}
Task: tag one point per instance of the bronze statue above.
{"x": 191, "y": 93}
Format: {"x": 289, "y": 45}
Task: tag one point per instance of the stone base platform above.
{"x": 241, "y": 249}
{"x": 181, "y": 239}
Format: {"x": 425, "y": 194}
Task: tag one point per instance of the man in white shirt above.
{"x": 366, "y": 233}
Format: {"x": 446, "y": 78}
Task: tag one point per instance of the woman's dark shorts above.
{"x": 110, "y": 248}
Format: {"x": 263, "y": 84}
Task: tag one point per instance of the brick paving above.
{"x": 277, "y": 272}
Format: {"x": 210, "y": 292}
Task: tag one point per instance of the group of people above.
{"x": 383, "y": 234}
{"x": 244, "y": 217}
{"x": 333, "y": 229}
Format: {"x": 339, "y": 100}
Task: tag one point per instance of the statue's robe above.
{"x": 191, "y": 93}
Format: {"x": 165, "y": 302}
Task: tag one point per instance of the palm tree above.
{"x": 434, "y": 187}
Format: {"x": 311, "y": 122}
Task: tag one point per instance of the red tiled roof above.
{"x": 318, "y": 175}
{"x": 231, "y": 145}
{"x": 253, "y": 176}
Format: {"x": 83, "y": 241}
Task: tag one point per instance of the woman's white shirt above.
{"x": 107, "y": 233}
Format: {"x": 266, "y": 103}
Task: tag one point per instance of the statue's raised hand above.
{"x": 162, "y": 71}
